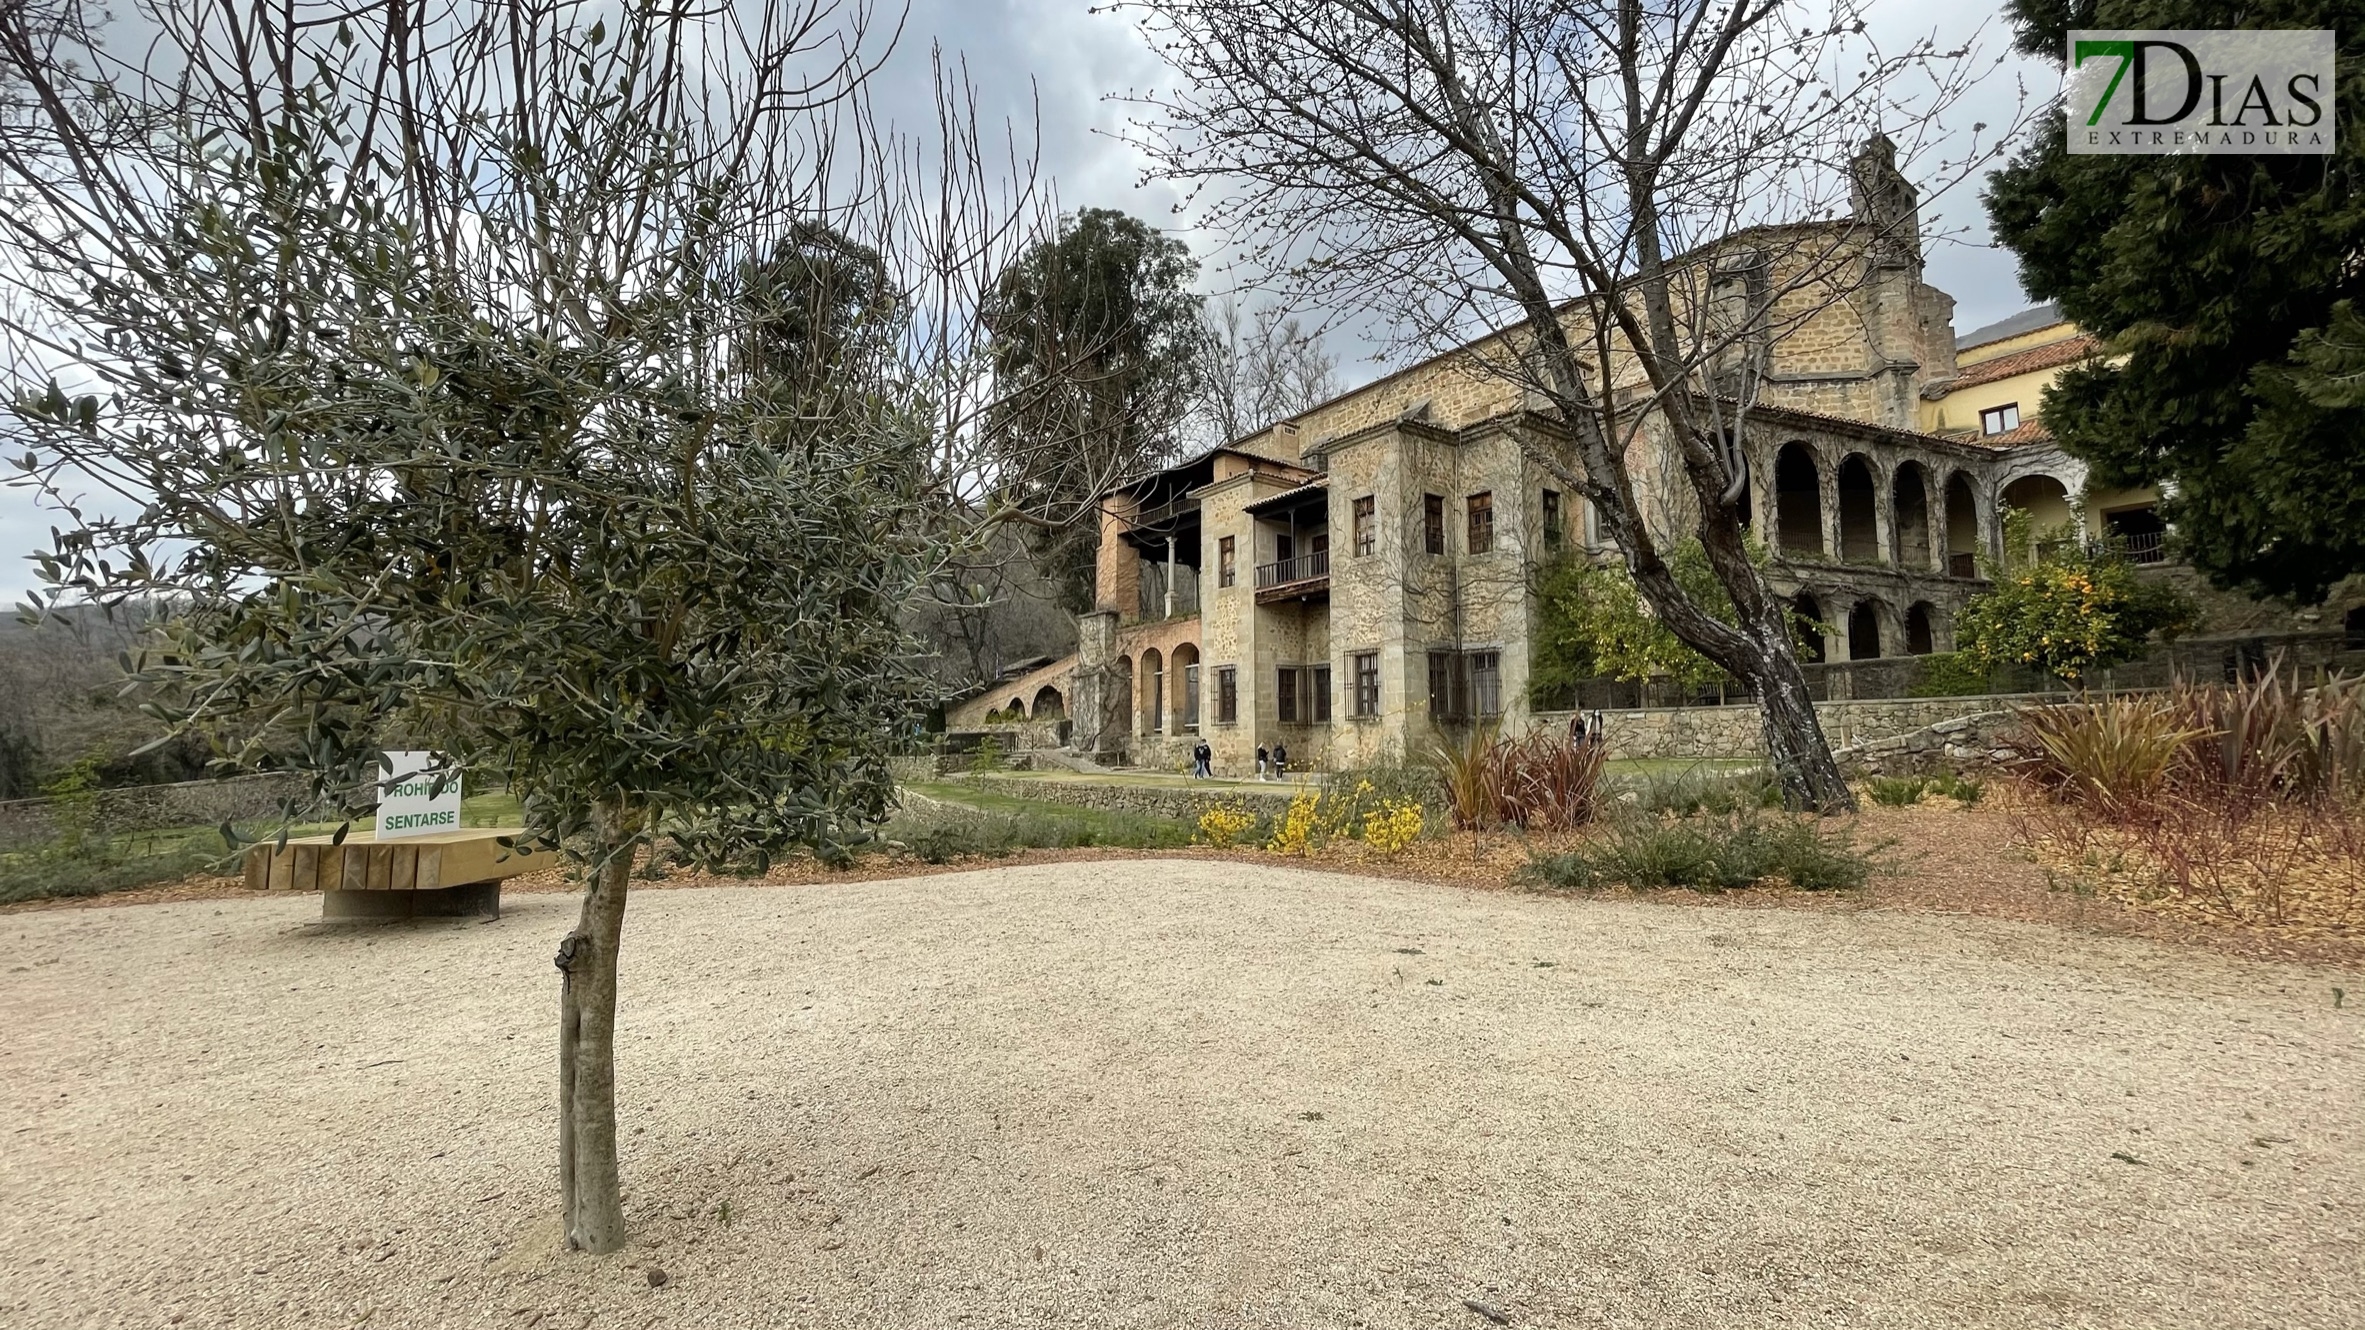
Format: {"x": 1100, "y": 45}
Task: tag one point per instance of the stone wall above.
{"x": 28, "y": 823}
{"x": 1989, "y": 739}
{"x": 1734, "y": 731}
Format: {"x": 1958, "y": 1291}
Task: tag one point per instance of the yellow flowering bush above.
{"x": 1393, "y": 825}
{"x": 1224, "y": 823}
{"x": 1300, "y": 827}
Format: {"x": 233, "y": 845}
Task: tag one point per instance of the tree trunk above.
{"x": 590, "y": 1195}
{"x": 1795, "y": 743}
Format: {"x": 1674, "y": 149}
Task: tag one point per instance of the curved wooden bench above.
{"x": 440, "y": 874}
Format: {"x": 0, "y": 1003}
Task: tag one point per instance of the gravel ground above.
{"x": 1179, "y": 1094}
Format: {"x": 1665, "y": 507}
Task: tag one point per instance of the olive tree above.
{"x": 433, "y": 365}
{"x": 1555, "y": 177}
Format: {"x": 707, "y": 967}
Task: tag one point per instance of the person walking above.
{"x": 1203, "y": 761}
{"x": 1280, "y": 761}
{"x": 1264, "y": 762}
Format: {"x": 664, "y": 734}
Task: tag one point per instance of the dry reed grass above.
{"x": 2239, "y": 802}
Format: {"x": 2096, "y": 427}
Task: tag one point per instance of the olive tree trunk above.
{"x": 591, "y": 1201}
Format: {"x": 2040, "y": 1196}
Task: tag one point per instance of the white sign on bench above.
{"x": 408, "y": 808}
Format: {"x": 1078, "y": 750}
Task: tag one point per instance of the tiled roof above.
{"x": 2034, "y": 358}
{"x": 2027, "y": 431}
{"x": 2026, "y": 321}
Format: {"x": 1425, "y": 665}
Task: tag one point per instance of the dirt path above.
{"x": 1184, "y": 1093}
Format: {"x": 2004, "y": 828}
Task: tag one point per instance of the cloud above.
{"x": 1052, "y": 70}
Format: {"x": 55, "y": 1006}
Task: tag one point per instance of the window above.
{"x": 1227, "y": 565}
{"x": 1555, "y": 526}
{"x": 1444, "y": 686}
{"x": 1191, "y": 697}
{"x": 1319, "y": 689}
{"x": 1486, "y": 682}
{"x": 1285, "y": 697}
{"x": 1366, "y": 526}
{"x": 1367, "y": 683}
{"x": 1227, "y": 695}
{"x": 1465, "y": 684}
{"x": 1482, "y": 523}
{"x": 2000, "y": 419}
{"x": 1433, "y": 523}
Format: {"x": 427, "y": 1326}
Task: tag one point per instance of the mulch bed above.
{"x": 1937, "y": 858}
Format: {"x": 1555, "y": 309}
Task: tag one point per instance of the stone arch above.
{"x": 1807, "y": 607}
{"x": 1921, "y": 629}
{"x": 1909, "y": 501}
{"x": 1864, "y": 631}
{"x": 1962, "y": 526}
{"x": 1183, "y": 702}
{"x": 1798, "y": 500}
{"x": 1016, "y": 707}
{"x": 1859, "y": 510}
{"x": 1049, "y": 705}
{"x": 1152, "y": 692}
{"x": 2046, "y": 501}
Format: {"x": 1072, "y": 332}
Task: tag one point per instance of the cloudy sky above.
{"x": 1060, "y": 57}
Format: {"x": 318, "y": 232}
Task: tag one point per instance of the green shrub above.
{"x": 987, "y": 756}
{"x": 1952, "y": 674}
{"x": 1691, "y": 792}
{"x": 942, "y": 834}
{"x": 1898, "y": 791}
{"x": 2076, "y": 608}
{"x": 1961, "y": 789}
{"x": 1391, "y": 780}
{"x": 2110, "y": 754}
{"x": 1709, "y": 853}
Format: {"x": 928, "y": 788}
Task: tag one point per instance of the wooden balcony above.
{"x": 1290, "y": 579}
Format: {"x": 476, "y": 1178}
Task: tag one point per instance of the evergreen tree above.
{"x": 1098, "y": 355}
{"x": 2234, "y": 289}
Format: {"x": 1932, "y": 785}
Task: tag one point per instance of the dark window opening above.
{"x": 1226, "y": 562}
{"x": 1366, "y": 528}
{"x": 1367, "y": 683}
{"x": 1481, "y": 537}
{"x": 1433, "y": 523}
{"x": 1227, "y": 696}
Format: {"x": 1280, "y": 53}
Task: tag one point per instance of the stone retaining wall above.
{"x": 27, "y": 823}
{"x": 1734, "y": 731}
{"x": 1991, "y": 739}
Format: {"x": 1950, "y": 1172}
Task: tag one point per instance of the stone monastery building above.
{"x": 1357, "y": 580}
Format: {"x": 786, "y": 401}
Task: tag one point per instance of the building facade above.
{"x": 1358, "y": 580}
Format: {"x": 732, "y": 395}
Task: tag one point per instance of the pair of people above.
{"x": 1202, "y": 761}
{"x": 1272, "y": 764}
{"x": 1582, "y": 732}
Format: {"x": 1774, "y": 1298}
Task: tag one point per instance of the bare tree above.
{"x": 1566, "y": 171}
{"x": 405, "y": 352}
{"x": 1262, "y": 366}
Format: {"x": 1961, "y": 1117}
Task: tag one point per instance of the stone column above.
{"x": 1934, "y": 509}
{"x": 1097, "y": 705}
{"x": 1884, "y": 513}
{"x": 1827, "y": 500}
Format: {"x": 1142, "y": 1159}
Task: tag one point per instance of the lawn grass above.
{"x": 144, "y": 858}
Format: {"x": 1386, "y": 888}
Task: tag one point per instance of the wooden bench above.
{"x": 440, "y": 874}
